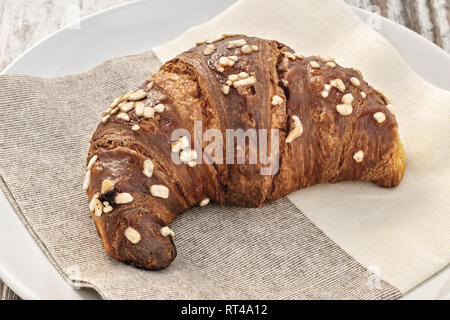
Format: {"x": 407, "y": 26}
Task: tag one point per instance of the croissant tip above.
{"x": 148, "y": 257}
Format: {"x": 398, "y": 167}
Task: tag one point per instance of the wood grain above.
{"x": 25, "y": 22}
{"x": 430, "y": 18}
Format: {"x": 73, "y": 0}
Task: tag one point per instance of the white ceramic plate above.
{"x": 143, "y": 25}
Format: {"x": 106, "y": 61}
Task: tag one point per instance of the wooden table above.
{"x": 24, "y": 22}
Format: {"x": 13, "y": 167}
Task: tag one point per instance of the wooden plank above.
{"x": 412, "y": 19}
{"x": 434, "y": 22}
{"x": 440, "y": 18}
{"x": 394, "y": 10}
{"x": 25, "y": 22}
{"x": 430, "y": 18}
{"x": 383, "y": 5}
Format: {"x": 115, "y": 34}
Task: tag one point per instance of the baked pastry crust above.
{"x": 332, "y": 127}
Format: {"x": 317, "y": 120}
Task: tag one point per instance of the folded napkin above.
{"x": 341, "y": 241}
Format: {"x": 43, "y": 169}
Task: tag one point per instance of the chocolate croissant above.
{"x": 166, "y": 147}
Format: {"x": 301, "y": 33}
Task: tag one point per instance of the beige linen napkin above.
{"x": 337, "y": 246}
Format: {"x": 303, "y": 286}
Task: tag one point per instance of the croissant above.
{"x": 316, "y": 121}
